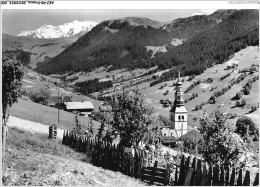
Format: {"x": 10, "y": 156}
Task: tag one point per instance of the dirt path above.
{"x": 31, "y": 126}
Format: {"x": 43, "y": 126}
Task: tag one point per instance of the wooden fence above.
{"x": 189, "y": 172}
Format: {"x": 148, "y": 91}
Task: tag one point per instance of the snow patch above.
{"x": 64, "y": 30}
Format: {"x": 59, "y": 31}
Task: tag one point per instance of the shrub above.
{"x": 243, "y": 103}
{"x": 246, "y": 127}
{"x": 219, "y": 143}
{"x": 238, "y": 104}
{"x": 40, "y": 96}
{"x": 238, "y": 95}
{"x": 246, "y": 90}
{"x": 253, "y": 108}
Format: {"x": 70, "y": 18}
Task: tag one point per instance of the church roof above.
{"x": 180, "y": 109}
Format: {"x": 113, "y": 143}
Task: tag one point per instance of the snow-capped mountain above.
{"x": 75, "y": 28}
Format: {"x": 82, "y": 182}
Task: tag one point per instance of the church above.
{"x": 178, "y": 117}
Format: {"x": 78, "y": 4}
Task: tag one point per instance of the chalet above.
{"x": 58, "y": 102}
{"x": 83, "y": 107}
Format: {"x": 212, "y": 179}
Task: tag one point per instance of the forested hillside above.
{"x": 214, "y": 46}
{"x": 122, "y": 43}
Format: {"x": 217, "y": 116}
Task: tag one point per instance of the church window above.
{"x": 182, "y": 117}
{"x": 179, "y": 117}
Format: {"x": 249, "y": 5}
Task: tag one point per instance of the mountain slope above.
{"x": 37, "y": 50}
{"x": 186, "y": 28}
{"x": 213, "y": 46}
{"x": 122, "y": 43}
{"x": 75, "y": 28}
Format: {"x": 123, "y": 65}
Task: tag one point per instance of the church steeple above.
{"x": 178, "y": 94}
{"x": 178, "y": 113}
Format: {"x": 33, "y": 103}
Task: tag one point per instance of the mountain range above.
{"x": 134, "y": 42}
{"x": 75, "y": 28}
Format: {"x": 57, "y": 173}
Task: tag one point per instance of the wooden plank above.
{"x": 159, "y": 179}
{"x": 239, "y": 179}
{"x": 182, "y": 171}
{"x": 209, "y": 178}
{"x": 187, "y": 179}
{"x": 227, "y": 177}
{"x": 233, "y": 177}
{"x": 198, "y": 173}
{"x": 256, "y": 182}
{"x": 222, "y": 176}
{"x": 157, "y": 169}
{"x": 146, "y": 178}
{"x": 215, "y": 175}
{"x": 187, "y": 164}
{"x": 204, "y": 175}
{"x": 194, "y": 166}
{"x": 247, "y": 179}
{"x": 166, "y": 177}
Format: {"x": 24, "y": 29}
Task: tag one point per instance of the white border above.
{"x": 229, "y": 4}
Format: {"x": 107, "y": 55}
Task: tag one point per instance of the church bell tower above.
{"x": 178, "y": 113}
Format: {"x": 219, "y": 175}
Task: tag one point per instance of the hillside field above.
{"x": 244, "y": 58}
{"x": 33, "y": 159}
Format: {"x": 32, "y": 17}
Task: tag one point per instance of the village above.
{"x": 131, "y": 100}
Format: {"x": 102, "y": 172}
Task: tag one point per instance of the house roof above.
{"x": 79, "y": 105}
{"x": 193, "y": 134}
{"x": 55, "y": 99}
{"x": 168, "y": 139}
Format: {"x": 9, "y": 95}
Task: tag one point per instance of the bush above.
{"x": 246, "y": 90}
{"x": 41, "y": 96}
{"x": 238, "y": 104}
{"x": 246, "y": 127}
{"x": 219, "y": 142}
{"x": 253, "y": 108}
{"x": 238, "y": 95}
{"x": 243, "y": 103}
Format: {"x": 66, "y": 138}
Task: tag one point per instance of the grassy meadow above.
{"x": 33, "y": 159}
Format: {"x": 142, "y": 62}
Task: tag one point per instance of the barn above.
{"x": 82, "y": 107}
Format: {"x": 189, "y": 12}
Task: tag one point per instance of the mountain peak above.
{"x": 74, "y": 28}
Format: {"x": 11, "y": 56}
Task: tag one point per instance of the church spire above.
{"x": 179, "y": 75}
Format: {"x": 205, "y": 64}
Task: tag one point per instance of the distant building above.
{"x": 58, "y": 102}
{"x": 83, "y": 107}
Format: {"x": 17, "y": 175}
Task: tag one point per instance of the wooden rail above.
{"x": 189, "y": 172}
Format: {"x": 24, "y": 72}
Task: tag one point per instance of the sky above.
{"x": 14, "y": 21}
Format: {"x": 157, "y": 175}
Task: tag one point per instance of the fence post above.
{"x": 187, "y": 179}
{"x": 187, "y": 164}
{"x": 227, "y": 177}
{"x": 247, "y": 179}
{"x": 209, "y": 180}
{"x": 233, "y": 176}
{"x": 198, "y": 173}
{"x": 182, "y": 171}
{"x": 239, "y": 179}
{"x": 204, "y": 175}
{"x": 222, "y": 176}
{"x": 194, "y": 166}
{"x": 215, "y": 175}
{"x": 256, "y": 182}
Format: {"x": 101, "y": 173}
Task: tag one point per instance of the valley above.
{"x": 130, "y": 86}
